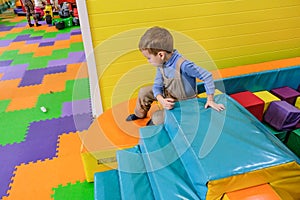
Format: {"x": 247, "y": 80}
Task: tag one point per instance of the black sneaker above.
{"x": 132, "y": 117}
{"x": 38, "y": 24}
{"x": 149, "y": 123}
{"x": 31, "y": 25}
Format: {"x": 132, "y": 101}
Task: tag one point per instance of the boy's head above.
{"x": 156, "y": 39}
{"x": 156, "y": 45}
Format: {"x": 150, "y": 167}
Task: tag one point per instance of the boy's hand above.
{"x": 167, "y": 103}
{"x": 214, "y": 105}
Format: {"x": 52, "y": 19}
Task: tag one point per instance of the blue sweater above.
{"x": 189, "y": 73}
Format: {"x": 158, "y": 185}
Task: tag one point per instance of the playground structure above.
{"x": 141, "y": 161}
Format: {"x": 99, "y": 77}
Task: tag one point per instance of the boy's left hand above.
{"x": 214, "y": 105}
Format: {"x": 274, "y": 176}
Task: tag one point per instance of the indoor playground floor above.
{"x": 40, "y": 151}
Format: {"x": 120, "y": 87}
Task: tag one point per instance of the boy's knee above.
{"x": 145, "y": 91}
{"x": 158, "y": 117}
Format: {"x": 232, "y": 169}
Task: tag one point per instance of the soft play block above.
{"x": 251, "y": 102}
{"x": 297, "y": 103}
{"x": 293, "y": 142}
{"x": 98, "y": 162}
{"x": 282, "y": 115}
{"x": 286, "y": 93}
{"x": 267, "y": 97}
{"x": 204, "y": 95}
{"x": 261, "y": 192}
{"x": 107, "y": 185}
{"x": 281, "y": 135}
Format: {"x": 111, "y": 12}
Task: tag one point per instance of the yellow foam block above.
{"x": 267, "y": 97}
{"x": 203, "y": 95}
{"x": 98, "y": 162}
{"x": 297, "y": 104}
{"x": 283, "y": 178}
{"x": 262, "y": 192}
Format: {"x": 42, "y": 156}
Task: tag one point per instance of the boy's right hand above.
{"x": 167, "y": 103}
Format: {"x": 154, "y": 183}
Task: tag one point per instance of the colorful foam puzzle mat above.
{"x": 40, "y": 151}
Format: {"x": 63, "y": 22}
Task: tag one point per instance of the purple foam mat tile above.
{"x": 32, "y": 77}
{"x": 22, "y": 24}
{"x": 5, "y": 43}
{"x": 21, "y": 38}
{"x": 35, "y": 38}
{"x": 44, "y": 44}
{"x": 48, "y": 40}
{"x": 14, "y": 72}
{"x": 74, "y": 57}
{"x": 76, "y": 107}
{"x": 40, "y": 144}
{"x": 33, "y": 41}
{"x": 63, "y": 36}
{"x": 76, "y": 32}
{"x": 6, "y": 28}
{"x": 4, "y": 63}
{"x": 56, "y": 69}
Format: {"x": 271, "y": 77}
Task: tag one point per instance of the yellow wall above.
{"x": 234, "y": 33}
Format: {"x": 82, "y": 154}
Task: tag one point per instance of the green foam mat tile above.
{"x": 50, "y": 35}
{"x": 59, "y": 54}
{"x": 38, "y": 62}
{"x": 77, "y": 46}
{"x": 22, "y": 58}
{"x": 79, "y": 88}
{"x": 20, "y": 119}
{"x": 9, "y": 55}
{"x": 10, "y": 36}
{"x": 37, "y": 33}
{"x": 78, "y": 190}
{"x": 3, "y": 105}
{"x": 26, "y": 31}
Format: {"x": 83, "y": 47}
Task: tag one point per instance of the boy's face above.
{"x": 157, "y": 60}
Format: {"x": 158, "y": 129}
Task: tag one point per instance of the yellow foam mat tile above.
{"x": 28, "y": 48}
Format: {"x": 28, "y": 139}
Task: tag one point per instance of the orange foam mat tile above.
{"x": 76, "y": 38}
{"x": 19, "y": 103}
{"x": 16, "y": 30}
{"x": 36, "y": 180}
{"x": 8, "y": 87}
{"x": 78, "y": 70}
{"x": 57, "y": 82}
{"x": 31, "y": 90}
{"x": 62, "y": 44}
{"x": 28, "y": 48}
{"x": 44, "y": 51}
{"x": 17, "y": 19}
{"x": 15, "y": 45}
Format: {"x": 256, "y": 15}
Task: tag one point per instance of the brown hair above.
{"x": 156, "y": 39}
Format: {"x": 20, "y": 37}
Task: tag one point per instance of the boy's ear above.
{"x": 161, "y": 54}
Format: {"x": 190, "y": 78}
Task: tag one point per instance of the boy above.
{"x": 175, "y": 77}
